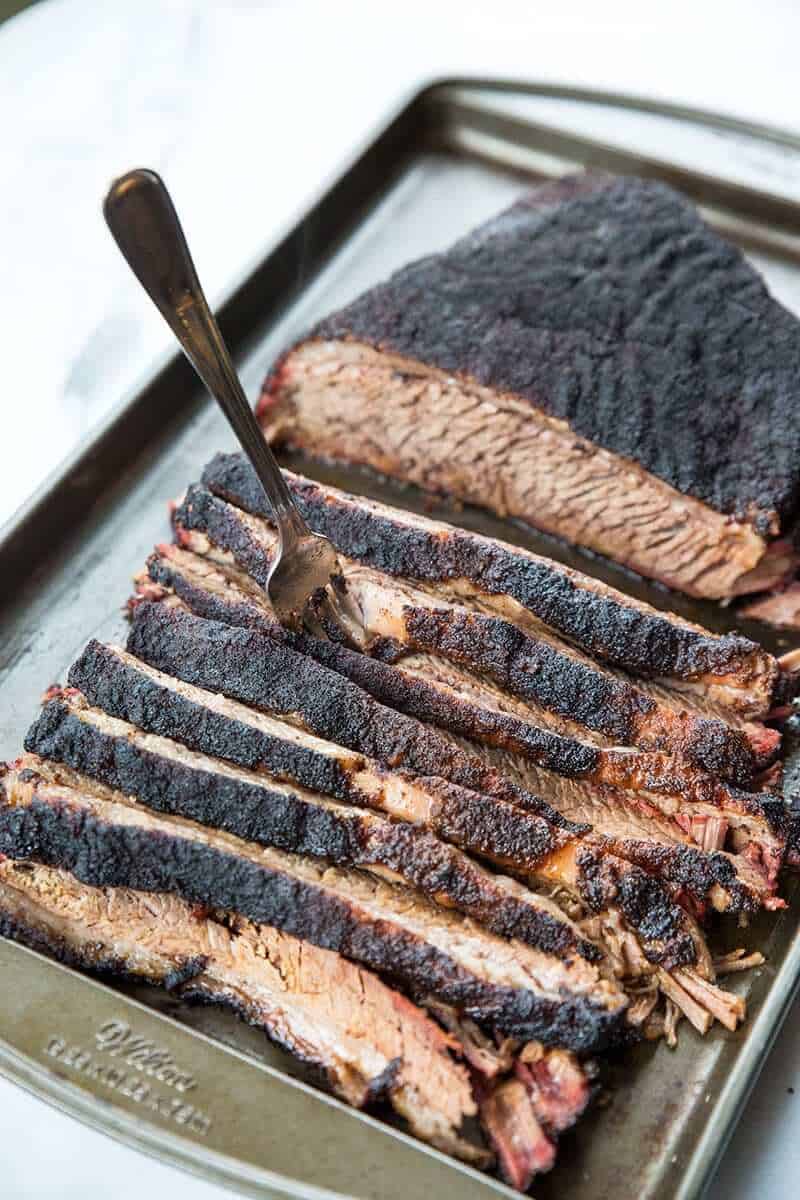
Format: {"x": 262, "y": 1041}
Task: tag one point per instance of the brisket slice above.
{"x": 439, "y": 693}
{"x": 521, "y": 586}
{"x": 523, "y": 1149}
{"x": 620, "y": 792}
{"x": 168, "y": 778}
{"x": 506, "y": 834}
{"x": 493, "y": 827}
{"x": 534, "y": 667}
{"x": 257, "y": 671}
{"x": 505, "y": 985}
{"x": 369, "y": 1041}
{"x": 701, "y": 808}
{"x": 595, "y": 361}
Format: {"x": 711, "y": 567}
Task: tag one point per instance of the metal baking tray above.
{"x": 456, "y": 152}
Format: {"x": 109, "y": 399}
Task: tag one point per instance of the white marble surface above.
{"x": 247, "y": 108}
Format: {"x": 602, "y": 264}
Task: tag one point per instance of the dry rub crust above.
{"x": 116, "y": 844}
{"x": 163, "y": 775}
{"x": 260, "y": 673}
{"x": 602, "y": 621}
{"x": 562, "y": 682}
{"x": 435, "y": 692}
{"x": 502, "y": 828}
{"x": 252, "y": 669}
{"x": 604, "y": 308}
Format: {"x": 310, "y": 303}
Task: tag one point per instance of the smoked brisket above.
{"x": 595, "y": 361}
{"x": 505, "y": 985}
{"x": 370, "y": 1042}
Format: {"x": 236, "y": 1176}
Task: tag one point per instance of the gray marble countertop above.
{"x": 248, "y": 108}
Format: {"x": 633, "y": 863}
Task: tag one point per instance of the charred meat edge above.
{"x": 253, "y": 669}
{"x": 505, "y": 985}
{"x": 698, "y": 802}
{"x": 603, "y": 622}
{"x": 505, "y": 834}
{"x": 603, "y": 880}
{"x": 528, "y": 666}
{"x": 163, "y": 775}
{"x": 681, "y": 370}
{"x": 369, "y": 1041}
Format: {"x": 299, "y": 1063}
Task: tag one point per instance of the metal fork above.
{"x": 304, "y": 584}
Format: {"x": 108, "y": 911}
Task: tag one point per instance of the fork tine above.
{"x": 329, "y": 614}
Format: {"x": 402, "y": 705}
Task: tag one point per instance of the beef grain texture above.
{"x": 595, "y": 361}
{"x": 103, "y": 853}
{"x": 602, "y": 621}
{"x": 609, "y": 303}
{"x": 258, "y": 811}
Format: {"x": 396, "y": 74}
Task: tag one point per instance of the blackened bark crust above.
{"x": 102, "y": 854}
{"x": 675, "y": 353}
{"x": 397, "y": 689}
{"x": 645, "y": 643}
{"x": 293, "y": 823}
{"x": 255, "y": 670}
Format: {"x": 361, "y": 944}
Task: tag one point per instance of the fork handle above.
{"x": 142, "y": 218}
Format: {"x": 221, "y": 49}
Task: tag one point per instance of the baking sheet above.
{"x": 449, "y": 160}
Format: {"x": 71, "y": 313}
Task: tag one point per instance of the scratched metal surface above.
{"x": 460, "y": 156}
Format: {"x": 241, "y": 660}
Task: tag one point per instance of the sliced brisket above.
{"x": 439, "y": 693}
{"x": 535, "y": 592}
{"x": 493, "y": 827}
{"x": 566, "y": 681}
{"x": 369, "y": 1041}
{"x": 595, "y": 361}
{"x": 165, "y": 776}
{"x": 505, "y": 985}
{"x": 258, "y": 671}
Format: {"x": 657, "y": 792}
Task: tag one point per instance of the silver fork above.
{"x": 304, "y": 584}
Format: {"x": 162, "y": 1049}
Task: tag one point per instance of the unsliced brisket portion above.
{"x": 535, "y": 667}
{"x": 505, "y": 985}
{"x": 97, "y": 749}
{"x": 595, "y": 361}
{"x": 369, "y": 1041}
{"x": 523, "y": 587}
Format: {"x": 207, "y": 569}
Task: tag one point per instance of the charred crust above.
{"x": 256, "y": 813}
{"x": 122, "y": 691}
{"x": 258, "y": 671}
{"x": 102, "y": 854}
{"x": 530, "y": 669}
{"x": 642, "y": 642}
{"x": 691, "y": 872}
{"x": 203, "y": 511}
{"x": 526, "y": 666}
{"x": 394, "y": 688}
{"x": 720, "y": 750}
{"x": 605, "y": 881}
{"x": 711, "y": 415}
{"x": 176, "y": 980}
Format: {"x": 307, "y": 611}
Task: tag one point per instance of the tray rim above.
{"x": 23, "y": 534}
